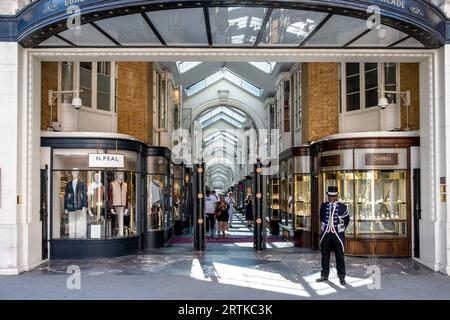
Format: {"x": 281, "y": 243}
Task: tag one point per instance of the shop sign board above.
{"x": 381, "y": 159}
{"x": 330, "y": 161}
{"x": 106, "y": 160}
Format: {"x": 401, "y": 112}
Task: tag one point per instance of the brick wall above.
{"x": 134, "y": 112}
{"x": 49, "y": 81}
{"x": 320, "y": 100}
{"x": 409, "y": 80}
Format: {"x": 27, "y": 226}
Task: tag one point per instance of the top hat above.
{"x": 332, "y": 191}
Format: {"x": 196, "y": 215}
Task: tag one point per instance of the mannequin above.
{"x": 155, "y": 198}
{"x": 75, "y": 205}
{"x": 118, "y": 198}
{"x": 96, "y": 192}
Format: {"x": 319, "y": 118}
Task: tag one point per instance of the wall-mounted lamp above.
{"x": 53, "y": 95}
{"x": 383, "y": 102}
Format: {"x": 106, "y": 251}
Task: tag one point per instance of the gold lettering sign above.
{"x": 394, "y": 3}
{"x": 330, "y": 161}
{"x": 381, "y": 159}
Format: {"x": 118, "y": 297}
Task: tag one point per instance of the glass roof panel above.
{"x": 290, "y": 27}
{"x": 184, "y": 66}
{"x": 409, "y": 43}
{"x": 54, "y": 41}
{"x": 130, "y": 30}
{"x": 87, "y": 35}
{"x": 266, "y": 67}
{"x": 337, "y": 31}
{"x": 383, "y": 37}
{"x": 224, "y": 117}
{"x": 235, "y": 25}
{"x": 180, "y": 26}
{"x": 224, "y": 73}
{"x": 222, "y": 134}
{"x": 218, "y": 110}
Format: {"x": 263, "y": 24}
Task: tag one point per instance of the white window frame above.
{"x": 298, "y": 99}
{"x": 362, "y": 83}
{"x": 76, "y": 85}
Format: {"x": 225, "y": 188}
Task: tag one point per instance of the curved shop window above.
{"x": 376, "y": 195}
{"x": 159, "y": 197}
{"x": 90, "y": 202}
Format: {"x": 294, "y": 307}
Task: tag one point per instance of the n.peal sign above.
{"x": 106, "y": 160}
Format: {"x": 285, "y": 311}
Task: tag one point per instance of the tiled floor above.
{"x": 226, "y": 270}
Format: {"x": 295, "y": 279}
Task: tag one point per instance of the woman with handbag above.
{"x": 222, "y": 215}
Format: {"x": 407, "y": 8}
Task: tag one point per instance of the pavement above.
{"x": 225, "y": 271}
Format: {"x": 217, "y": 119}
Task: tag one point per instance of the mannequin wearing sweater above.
{"x": 119, "y": 203}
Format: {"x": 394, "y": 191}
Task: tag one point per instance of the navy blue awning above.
{"x": 227, "y": 23}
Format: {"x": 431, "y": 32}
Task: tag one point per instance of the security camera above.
{"x": 383, "y": 103}
{"x": 76, "y": 103}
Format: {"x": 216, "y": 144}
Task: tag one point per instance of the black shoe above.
{"x": 342, "y": 282}
{"x": 322, "y": 279}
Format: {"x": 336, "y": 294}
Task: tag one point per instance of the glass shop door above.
{"x": 44, "y": 212}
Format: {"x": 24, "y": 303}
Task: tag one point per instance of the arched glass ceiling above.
{"x": 224, "y": 73}
{"x": 224, "y": 136}
{"x": 227, "y": 27}
{"x": 232, "y": 116}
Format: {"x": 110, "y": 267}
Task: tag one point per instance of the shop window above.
{"x": 86, "y": 83}
{"x": 286, "y": 95}
{"x": 371, "y": 84}
{"x": 104, "y": 86}
{"x": 390, "y": 81}
{"x": 298, "y": 99}
{"x": 97, "y": 80}
{"x": 159, "y": 199}
{"x": 302, "y": 202}
{"x": 371, "y": 77}
{"x": 353, "y": 86}
{"x": 345, "y": 183}
{"x": 158, "y": 217}
{"x": 94, "y": 204}
{"x": 67, "y": 76}
{"x": 91, "y": 203}
{"x": 380, "y": 204}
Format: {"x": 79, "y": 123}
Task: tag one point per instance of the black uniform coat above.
{"x": 339, "y": 223}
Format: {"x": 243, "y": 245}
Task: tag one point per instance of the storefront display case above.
{"x": 295, "y": 202}
{"x": 373, "y": 175}
{"x": 188, "y": 199}
{"x": 274, "y": 205}
{"x": 159, "y": 200}
{"x": 94, "y": 207}
{"x": 178, "y": 193}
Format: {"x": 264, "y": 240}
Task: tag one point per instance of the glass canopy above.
{"x": 232, "y": 27}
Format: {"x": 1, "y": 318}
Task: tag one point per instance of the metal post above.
{"x": 199, "y": 207}
{"x": 258, "y": 233}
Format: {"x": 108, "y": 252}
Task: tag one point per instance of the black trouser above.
{"x": 331, "y": 242}
{"x": 210, "y": 222}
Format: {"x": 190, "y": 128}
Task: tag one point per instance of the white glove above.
{"x": 126, "y": 212}
{"x": 112, "y": 211}
{"x": 66, "y": 211}
{"x": 90, "y": 213}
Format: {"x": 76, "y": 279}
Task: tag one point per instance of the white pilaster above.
{"x": 9, "y": 127}
{"x": 445, "y": 89}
